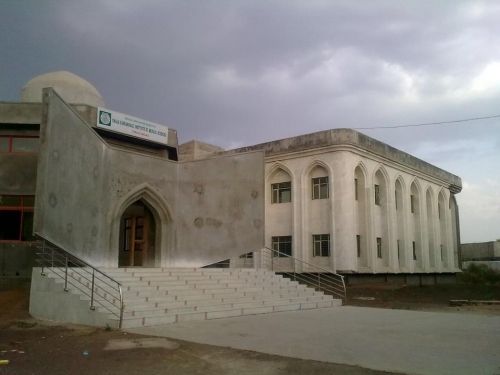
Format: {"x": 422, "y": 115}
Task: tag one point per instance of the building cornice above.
{"x": 349, "y": 139}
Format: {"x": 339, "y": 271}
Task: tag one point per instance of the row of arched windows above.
{"x": 422, "y": 225}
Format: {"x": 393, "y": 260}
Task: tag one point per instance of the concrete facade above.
{"x": 49, "y": 301}
{"x": 16, "y": 262}
{"x": 415, "y": 220}
{"x": 194, "y": 150}
{"x": 481, "y": 251}
{"x": 204, "y": 210}
{"x": 344, "y": 217}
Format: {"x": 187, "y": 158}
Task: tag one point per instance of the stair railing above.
{"x": 103, "y": 291}
{"x": 314, "y": 276}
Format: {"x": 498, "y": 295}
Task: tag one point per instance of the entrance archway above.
{"x": 137, "y": 236}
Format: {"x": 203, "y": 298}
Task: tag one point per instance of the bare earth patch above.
{"x": 424, "y": 298}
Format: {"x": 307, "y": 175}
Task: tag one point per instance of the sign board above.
{"x": 124, "y": 124}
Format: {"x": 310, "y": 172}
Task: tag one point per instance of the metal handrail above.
{"x": 79, "y": 274}
{"x": 310, "y": 274}
{"x": 318, "y": 277}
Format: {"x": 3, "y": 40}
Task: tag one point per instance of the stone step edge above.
{"x": 225, "y": 306}
{"x": 198, "y": 316}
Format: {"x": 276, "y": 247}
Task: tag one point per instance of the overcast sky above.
{"x": 236, "y": 73}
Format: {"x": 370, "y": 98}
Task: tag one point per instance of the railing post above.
{"x": 345, "y": 289}
{"x": 122, "y": 307}
{"x": 43, "y": 257}
{"x": 272, "y": 261}
{"x": 92, "y": 307}
{"x": 66, "y": 274}
{"x": 319, "y": 280}
{"x": 49, "y": 260}
{"x": 294, "y": 277}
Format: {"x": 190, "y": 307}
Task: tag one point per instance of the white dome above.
{"x": 72, "y": 88}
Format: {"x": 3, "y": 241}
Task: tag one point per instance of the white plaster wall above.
{"x": 345, "y": 217}
{"x": 416, "y": 224}
{"x": 433, "y": 247}
{"x": 401, "y": 223}
{"x": 279, "y": 216}
{"x": 361, "y": 213}
{"x": 318, "y": 216}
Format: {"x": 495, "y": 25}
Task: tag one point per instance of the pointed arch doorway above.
{"x": 137, "y": 236}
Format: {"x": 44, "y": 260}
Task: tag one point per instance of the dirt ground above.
{"x": 424, "y": 298}
{"x": 34, "y": 347}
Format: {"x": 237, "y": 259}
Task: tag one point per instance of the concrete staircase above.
{"x": 156, "y": 296}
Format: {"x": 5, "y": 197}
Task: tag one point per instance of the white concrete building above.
{"x": 341, "y": 200}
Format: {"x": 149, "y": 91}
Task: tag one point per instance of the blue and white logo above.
{"x": 104, "y": 118}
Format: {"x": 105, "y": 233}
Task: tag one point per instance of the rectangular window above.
{"x": 358, "y": 245}
{"x": 414, "y": 246}
{"x": 283, "y": 244}
{"x": 396, "y": 198}
{"x": 442, "y": 253}
{"x": 19, "y": 143}
{"x": 412, "y": 203}
{"x": 379, "y": 247}
{"x": 399, "y": 250}
{"x": 321, "y": 245}
{"x": 356, "y": 189}
{"x": 16, "y": 218}
{"x": 4, "y": 144}
{"x": 281, "y": 192}
{"x": 320, "y": 187}
{"x": 439, "y": 210}
{"x": 377, "y": 195}
{"x": 24, "y": 144}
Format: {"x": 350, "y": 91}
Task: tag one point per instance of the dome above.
{"x": 72, "y": 88}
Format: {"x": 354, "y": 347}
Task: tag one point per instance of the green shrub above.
{"x": 479, "y": 274}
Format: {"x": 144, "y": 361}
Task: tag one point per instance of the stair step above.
{"x": 155, "y": 296}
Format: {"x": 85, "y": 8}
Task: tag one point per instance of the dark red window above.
{"x": 19, "y": 143}
{"x": 16, "y": 217}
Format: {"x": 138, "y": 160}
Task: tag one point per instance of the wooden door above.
{"x": 136, "y": 240}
